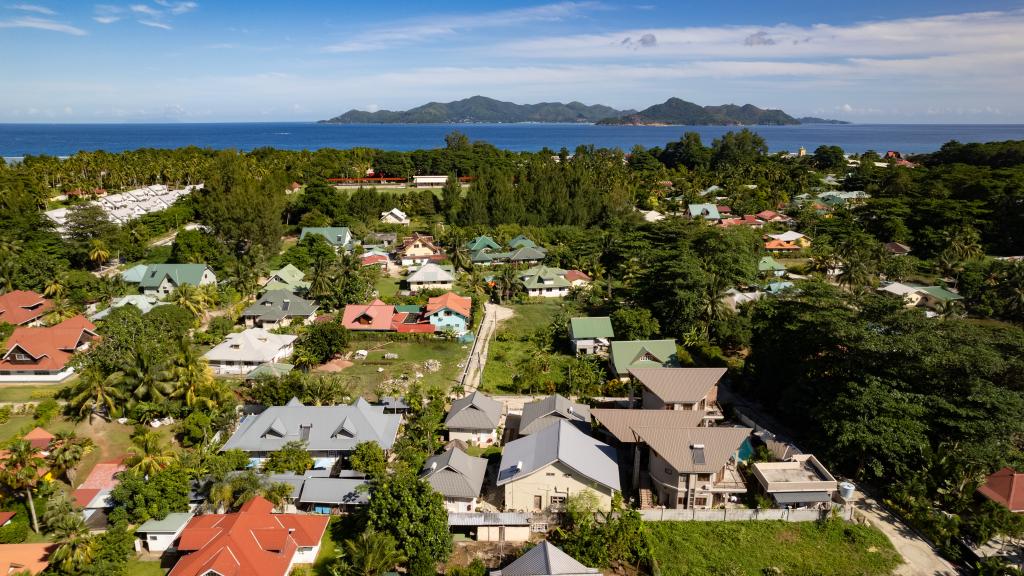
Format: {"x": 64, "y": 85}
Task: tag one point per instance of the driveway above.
{"x": 478, "y": 353}
{"x": 919, "y": 558}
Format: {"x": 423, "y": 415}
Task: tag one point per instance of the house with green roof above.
{"x": 770, "y": 266}
{"x": 270, "y": 370}
{"x": 521, "y": 242}
{"x": 545, "y": 282}
{"x": 287, "y": 278}
{"x": 162, "y": 279}
{"x": 482, "y": 243}
{"x": 935, "y": 297}
{"x": 337, "y": 236}
{"x": 704, "y": 212}
{"x": 134, "y": 274}
{"x": 626, "y": 354}
{"x": 591, "y": 335}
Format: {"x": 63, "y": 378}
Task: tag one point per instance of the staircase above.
{"x": 646, "y": 496}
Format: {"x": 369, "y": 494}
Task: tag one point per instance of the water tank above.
{"x": 846, "y": 490}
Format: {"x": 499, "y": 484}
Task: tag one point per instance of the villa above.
{"x": 42, "y": 353}
{"x": 242, "y": 352}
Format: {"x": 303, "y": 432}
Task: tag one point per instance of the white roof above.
{"x": 394, "y": 212}
{"x": 252, "y": 345}
{"x": 899, "y": 289}
{"x": 431, "y": 272}
{"x": 788, "y": 236}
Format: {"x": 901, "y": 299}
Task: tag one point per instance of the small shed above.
{"x": 491, "y": 526}
{"x": 159, "y": 535}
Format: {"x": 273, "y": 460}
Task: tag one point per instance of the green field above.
{"x": 148, "y": 568}
{"x": 387, "y": 286}
{"x": 365, "y": 375}
{"x": 834, "y": 548}
{"x": 30, "y": 392}
{"x": 511, "y": 348}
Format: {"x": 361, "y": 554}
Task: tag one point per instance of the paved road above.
{"x": 478, "y": 353}
{"x": 920, "y": 559}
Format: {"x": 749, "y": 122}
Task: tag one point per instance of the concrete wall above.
{"x": 553, "y": 480}
{"x": 417, "y": 286}
{"x": 474, "y": 437}
{"x": 740, "y": 514}
{"x": 512, "y": 533}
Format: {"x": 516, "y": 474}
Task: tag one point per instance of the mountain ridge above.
{"x": 481, "y": 109}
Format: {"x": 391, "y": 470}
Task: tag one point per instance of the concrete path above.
{"x": 477, "y": 358}
{"x": 919, "y": 558}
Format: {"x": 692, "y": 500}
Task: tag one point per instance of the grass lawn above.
{"x": 140, "y": 568}
{"x": 750, "y": 548}
{"x": 387, "y": 286}
{"x": 18, "y": 425}
{"x": 505, "y": 355}
{"x": 365, "y": 375}
{"x": 30, "y": 392}
{"x": 327, "y": 551}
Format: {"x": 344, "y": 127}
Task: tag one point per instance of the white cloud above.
{"x": 42, "y": 24}
{"x": 106, "y": 19}
{"x": 146, "y": 9}
{"x": 398, "y": 34}
{"x": 33, "y": 8}
{"x": 155, "y": 24}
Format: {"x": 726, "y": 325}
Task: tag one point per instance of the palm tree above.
{"x": 75, "y": 545}
{"x": 57, "y": 286}
{"x": 191, "y": 375}
{"x": 190, "y": 298}
{"x": 320, "y": 281}
{"x": 98, "y": 252}
{"x": 220, "y": 497}
{"x": 147, "y": 381}
{"x": 97, "y": 394}
{"x": 149, "y": 453}
{"x": 508, "y": 282}
{"x": 61, "y": 311}
{"x": 370, "y": 554}
{"x": 20, "y": 471}
{"x": 67, "y": 451}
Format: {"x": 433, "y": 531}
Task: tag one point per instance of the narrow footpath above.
{"x": 474, "y": 366}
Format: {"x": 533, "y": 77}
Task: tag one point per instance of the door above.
{"x": 538, "y": 502}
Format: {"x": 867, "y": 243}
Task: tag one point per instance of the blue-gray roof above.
{"x": 335, "y": 236}
{"x": 545, "y": 559}
{"x": 561, "y": 442}
{"x": 542, "y": 413}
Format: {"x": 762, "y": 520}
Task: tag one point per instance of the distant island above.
{"x": 480, "y": 109}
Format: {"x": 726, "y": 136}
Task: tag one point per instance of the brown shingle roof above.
{"x": 677, "y": 446}
{"x": 620, "y": 423}
{"x": 673, "y": 385}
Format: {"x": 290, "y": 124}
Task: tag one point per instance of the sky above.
{"x": 911, "y": 61}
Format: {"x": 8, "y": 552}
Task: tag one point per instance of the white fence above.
{"x": 741, "y": 514}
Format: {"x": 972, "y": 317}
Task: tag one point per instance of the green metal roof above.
{"x": 481, "y": 242}
{"x": 940, "y": 293}
{"x": 336, "y": 236}
{"x": 769, "y": 264}
{"x": 596, "y": 327}
{"x": 273, "y": 369}
{"x": 639, "y": 353}
{"x": 289, "y": 274}
{"x": 170, "y": 524}
{"x": 521, "y": 242}
{"x": 178, "y": 273}
{"x": 544, "y": 277}
{"x": 409, "y": 308}
{"x": 134, "y": 274}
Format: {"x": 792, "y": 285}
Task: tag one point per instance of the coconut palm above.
{"x": 320, "y": 281}
{"x": 508, "y": 282}
{"x": 20, "y": 470}
{"x": 97, "y": 394}
{"x": 75, "y": 545}
{"x": 190, "y": 298}
{"x": 67, "y": 451}
{"x": 57, "y": 286}
{"x": 370, "y": 554}
{"x": 98, "y": 252}
{"x": 149, "y": 453}
{"x": 220, "y": 497}
{"x": 191, "y": 375}
{"x": 146, "y": 381}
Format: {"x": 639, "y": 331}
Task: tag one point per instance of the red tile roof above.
{"x": 22, "y": 306}
{"x": 374, "y": 259}
{"x": 49, "y": 347}
{"x": 5, "y": 517}
{"x": 574, "y": 275}
{"x": 15, "y": 558}
{"x": 780, "y": 245}
{"x": 102, "y": 478}
{"x": 373, "y": 316}
{"x": 38, "y": 438}
{"x": 1005, "y": 487}
{"x": 252, "y": 541}
{"x": 452, "y": 301}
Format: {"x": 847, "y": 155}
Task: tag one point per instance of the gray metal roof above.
{"x": 431, "y": 272}
{"x": 277, "y": 304}
{"x": 542, "y": 413}
{"x": 330, "y": 427}
{"x": 695, "y": 450}
{"x": 477, "y": 411}
{"x": 563, "y": 443}
{"x": 334, "y": 491}
{"x": 297, "y": 480}
{"x": 545, "y": 559}
{"x": 801, "y": 497}
{"x": 171, "y": 524}
{"x": 686, "y": 385}
{"x": 488, "y": 518}
{"x": 620, "y": 422}
{"x": 455, "y": 474}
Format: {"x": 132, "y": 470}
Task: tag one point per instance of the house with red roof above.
{"x": 252, "y": 542}
{"x": 38, "y": 438}
{"x": 773, "y": 216}
{"x": 1005, "y": 487}
{"x": 41, "y": 354}
{"x": 21, "y": 558}
{"x": 577, "y": 278}
{"x": 23, "y": 307}
{"x": 746, "y": 220}
{"x": 93, "y": 495}
{"x": 378, "y": 260}
{"x": 441, "y": 312}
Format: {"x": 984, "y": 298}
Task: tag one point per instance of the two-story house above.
{"x": 338, "y": 236}
{"x": 695, "y": 467}
{"x": 279, "y": 308}
{"x": 449, "y": 311}
{"x": 540, "y": 471}
{"x": 545, "y": 282}
{"x": 458, "y": 477}
{"x": 474, "y": 419}
{"x": 694, "y": 389}
{"x": 624, "y": 355}
{"x": 42, "y": 353}
{"x": 162, "y": 279}
{"x": 419, "y": 249}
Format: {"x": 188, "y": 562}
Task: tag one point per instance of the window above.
{"x": 550, "y": 473}
{"x": 702, "y": 501}
{"x": 557, "y": 501}
{"x": 21, "y": 357}
{"x": 538, "y": 502}
{"x": 680, "y": 500}
{"x": 153, "y": 537}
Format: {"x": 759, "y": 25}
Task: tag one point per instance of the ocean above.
{"x": 63, "y": 139}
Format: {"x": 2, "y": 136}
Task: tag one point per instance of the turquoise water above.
{"x": 63, "y": 139}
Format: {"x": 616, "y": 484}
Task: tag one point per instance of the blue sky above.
{"x": 206, "y": 61}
